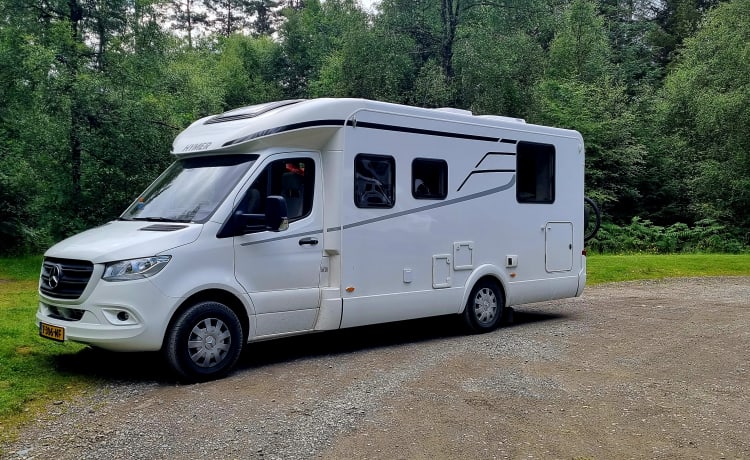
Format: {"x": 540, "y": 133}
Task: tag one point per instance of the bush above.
{"x": 643, "y": 236}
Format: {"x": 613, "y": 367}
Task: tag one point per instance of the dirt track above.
{"x": 632, "y": 370}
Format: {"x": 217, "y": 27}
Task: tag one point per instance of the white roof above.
{"x": 233, "y": 130}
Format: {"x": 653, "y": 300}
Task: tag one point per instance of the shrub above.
{"x": 643, "y": 236}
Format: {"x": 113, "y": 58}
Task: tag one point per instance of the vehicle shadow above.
{"x": 151, "y": 367}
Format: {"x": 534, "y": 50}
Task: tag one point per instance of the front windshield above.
{"x": 190, "y": 190}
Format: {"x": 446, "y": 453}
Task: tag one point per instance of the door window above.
{"x": 292, "y": 178}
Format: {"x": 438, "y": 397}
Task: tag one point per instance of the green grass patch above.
{"x": 28, "y": 371}
{"x": 20, "y": 268}
{"x": 612, "y": 268}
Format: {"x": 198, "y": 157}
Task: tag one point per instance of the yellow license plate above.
{"x": 52, "y": 332}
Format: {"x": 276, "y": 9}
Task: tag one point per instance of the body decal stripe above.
{"x": 428, "y": 132}
{"x": 494, "y": 153}
{"x": 394, "y": 215}
{"x": 482, "y": 172}
{"x": 355, "y": 124}
{"x": 285, "y": 128}
{"x": 285, "y": 237}
{"x": 473, "y": 196}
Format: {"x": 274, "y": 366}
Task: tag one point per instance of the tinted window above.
{"x": 535, "y": 173}
{"x": 374, "y": 181}
{"x": 429, "y": 179}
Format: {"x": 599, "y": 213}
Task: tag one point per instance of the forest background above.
{"x": 93, "y": 91}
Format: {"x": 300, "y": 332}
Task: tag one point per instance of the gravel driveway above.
{"x": 631, "y": 370}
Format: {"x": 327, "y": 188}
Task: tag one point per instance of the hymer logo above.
{"x": 196, "y": 147}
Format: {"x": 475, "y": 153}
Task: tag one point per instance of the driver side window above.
{"x": 292, "y": 178}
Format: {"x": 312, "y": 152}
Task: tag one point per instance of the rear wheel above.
{"x": 204, "y": 342}
{"x": 484, "y": 309}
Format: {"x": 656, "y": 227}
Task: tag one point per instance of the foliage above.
{"x": 706, "y": 103}
{"x": 94, "y": 91}
{"x": 643, "y": 236}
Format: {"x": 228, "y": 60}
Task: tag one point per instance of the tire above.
{"x": 485, "y": 306}
{"x": 204, "y": 342}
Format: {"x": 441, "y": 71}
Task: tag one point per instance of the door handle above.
{"x": 308, "y": 240}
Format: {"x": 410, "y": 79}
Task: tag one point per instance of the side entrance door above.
{"x": 281, "y": 270}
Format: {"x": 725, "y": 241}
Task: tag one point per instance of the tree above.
{"x": 579, "y": 92}
{"x": 580, "y": 50}
{"x": 187, "y": 15}
{"x": 631, "y": 30}
{"x": 227, "y": 16}
{"x": 677, "y": 20}
{"x": 499, "y": 57}
{"x": 265, "y": 16}
{"x": 311, "y": 36}
{"x": 249, "y": 70}
{"x": 705, "y": 112}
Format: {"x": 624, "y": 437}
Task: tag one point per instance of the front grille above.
{"x": 65, "y": 278}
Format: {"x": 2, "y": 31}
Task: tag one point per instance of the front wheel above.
{"x": 204, "y": 342}
{"x": 484, "y": 309}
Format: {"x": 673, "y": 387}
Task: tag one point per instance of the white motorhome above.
{"x": 311, "y": 215}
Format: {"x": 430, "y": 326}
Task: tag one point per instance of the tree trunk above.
{"x": 449, "y": 15}
{"x": 76, "y": 115}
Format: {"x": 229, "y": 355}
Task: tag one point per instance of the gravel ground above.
{"x": 654, "y": 369}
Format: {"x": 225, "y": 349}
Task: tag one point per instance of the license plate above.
{"x": 52, "y": 332}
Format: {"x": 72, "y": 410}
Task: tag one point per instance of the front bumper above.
{"x": 118, "y": 316}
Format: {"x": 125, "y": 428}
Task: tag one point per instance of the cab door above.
{"x": 281, "y": 270}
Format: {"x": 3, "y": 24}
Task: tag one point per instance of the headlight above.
{"x": 134, "y": 269}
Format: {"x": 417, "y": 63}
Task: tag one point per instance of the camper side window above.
{"x": 429, "y": 179}
{"x": 292, "y": 178}
{"x": 374, "y": 181}
{"x": 535, "y": 173}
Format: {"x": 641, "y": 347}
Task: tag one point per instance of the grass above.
{"x": 612, "y": 268}
{"x": 29, "y": 373}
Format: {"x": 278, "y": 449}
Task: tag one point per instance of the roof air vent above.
{"x": 250, "y": 111}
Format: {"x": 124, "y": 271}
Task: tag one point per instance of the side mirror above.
{"x": 277, "y": 219}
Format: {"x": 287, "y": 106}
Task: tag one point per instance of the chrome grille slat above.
{"x": 75, "y": 278}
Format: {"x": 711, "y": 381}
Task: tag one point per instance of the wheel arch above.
{"x": 216, "y": 295}
{"x": 490, "y": 272}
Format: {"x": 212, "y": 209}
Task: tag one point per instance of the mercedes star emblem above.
{"x": 55, "y": 276}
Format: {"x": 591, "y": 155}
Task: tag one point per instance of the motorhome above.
{"x": 298, "y": 216}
